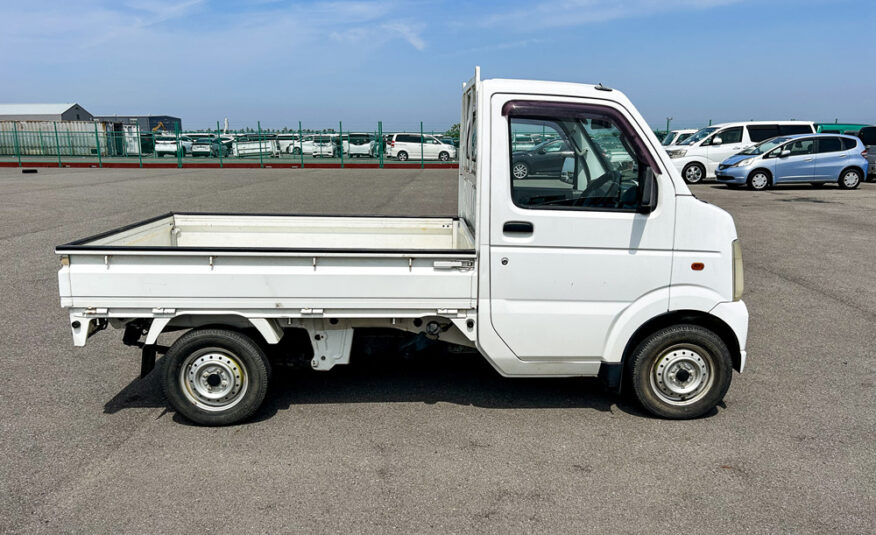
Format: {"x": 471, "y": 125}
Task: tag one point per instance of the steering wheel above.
{"x": 611, "y": 190}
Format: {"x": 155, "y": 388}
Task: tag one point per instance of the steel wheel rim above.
{"x": 851, "y": 179}
{"x": 519, "y": 170}
{"x": 759, "y": 181}
{"x": 683, "y": 374}
{"x": 213, "y": 379}
{"x": 694, "y": 173}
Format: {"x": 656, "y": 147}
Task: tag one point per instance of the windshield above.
{"x": 670, "y": 137}
{"x": 701, "y": 134}
{"x": 765, "y": 146}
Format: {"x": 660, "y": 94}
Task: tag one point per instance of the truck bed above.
{"x": 272, "y": 266}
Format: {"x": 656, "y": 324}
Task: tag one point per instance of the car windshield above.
{"x": 701, "y": 134}
{"x": 764, "y": 146}
{"x": 668, "y": 139}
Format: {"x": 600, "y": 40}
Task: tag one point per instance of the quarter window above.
{"x": 587, "y": 161}
{"x": 848, "y": 144}
{"x": 762, "y": 132}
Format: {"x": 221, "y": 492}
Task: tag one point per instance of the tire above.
{"x": 520, "y": 170}
{"x": 693, "y": 173}
{"x": 206, "y": 359}
{"x": 680, "y": 372}
{"x": 759, "y": 180}
{"x": 849, "y": 178}
{"x": 402, "y": 156}
{"x": 296, "y": 151}
{"x": 443, "y": 156}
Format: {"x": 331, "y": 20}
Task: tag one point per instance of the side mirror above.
{"x": 567, "y": 174}
{"x": 717, "y": 140}
{"x": 648, "y": 185}
{"x": 785, "y": 153}
{"x": 541, "y": 151}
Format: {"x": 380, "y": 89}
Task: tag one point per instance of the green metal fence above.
{"x": 99, "y": 143}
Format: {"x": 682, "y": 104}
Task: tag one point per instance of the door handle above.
{"x": 808, "y": 159}
{"x": 517, "y": 227}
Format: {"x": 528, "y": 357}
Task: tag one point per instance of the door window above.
{"x": 801, "y": 147}
{"x": 829, "y": 144}
{"x": 728, "y": 135}
{"x": 589, "y": 162}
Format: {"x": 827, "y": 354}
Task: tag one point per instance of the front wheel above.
{"x": 759, "y": 180}
{"x": 520, "y": 170}
{"x": 443, "y": 156}
{"x": 215, "y": 376}
{"x": 681, "y": 372}
{"x": 850, "y": 179}
{"x": 694, "y": 173}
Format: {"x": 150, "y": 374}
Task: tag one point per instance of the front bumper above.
{"x": 732, "y": 175}
{"x": 735, "y": 315}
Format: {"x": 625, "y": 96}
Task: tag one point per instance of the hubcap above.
{"x": 213, "y": 379}
{"x": 759, "y": 181}
{"x": 682, "y": 374}
{"x": 694, "y": 173}
{"x": 519, "y": 171}
{"x": 850, "y": 179}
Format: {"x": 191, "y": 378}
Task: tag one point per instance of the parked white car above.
{"x": 590, "y": 272}
{"x": 166, "y": 144}
{"x": 323, "y": 146}
{"x": 362, "y": 145}
{"x": 674, "y": 137}
{"x": 405, "y": 146}
{"x": 253, "y": 145}
{"x": 699, "y": 156}
{"x": 286, "y": 143}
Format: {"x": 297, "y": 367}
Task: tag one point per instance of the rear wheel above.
{"x": 850, "y": 179}
{"x": 759, "y": 180}
{"x": 215, "y": 376}
{"x": 402, "y": 155}
{"x": 680, "y": 372}
{"x": 694, "y": 173}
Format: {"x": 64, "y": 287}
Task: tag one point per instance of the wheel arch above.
{"x": 857, "y": 168}
{"x": 769, "y": 174}
{"x": 692, "y": 317}
{"x": 269, "y": 330}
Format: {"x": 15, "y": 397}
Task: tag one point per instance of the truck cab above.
{"x": 607, "y": 267}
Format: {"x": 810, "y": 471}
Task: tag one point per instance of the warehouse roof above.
{"x": 35, "y": 109}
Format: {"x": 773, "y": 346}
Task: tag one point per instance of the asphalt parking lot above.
{"x": 437, "y": 443}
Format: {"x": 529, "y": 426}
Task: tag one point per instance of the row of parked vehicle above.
{"x": 401, "y": 146}
{"x": 760, "y": 154}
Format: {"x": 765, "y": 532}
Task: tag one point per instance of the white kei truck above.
{"x": 612, "y": 270}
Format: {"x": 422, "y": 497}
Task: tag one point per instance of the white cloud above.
{"x": 548, "y": 14}
{"x": 410, "y": 33}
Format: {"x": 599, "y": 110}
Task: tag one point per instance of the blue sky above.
{"x": 403, "y": 61}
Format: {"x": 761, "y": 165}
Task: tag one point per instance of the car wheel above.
{"x": 694, "y": 173}
{"x": 402, "y": 156}
{"x": 215, "y": 376}
{"x": 443, "y": 156}
{"x": 759, "y": 180}
{"x": 680, "y": 372}
{"x": 850, "y": 179}
{"x": 520, "y": 170}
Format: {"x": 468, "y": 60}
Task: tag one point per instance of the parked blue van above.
{"x": 816, "y": 159}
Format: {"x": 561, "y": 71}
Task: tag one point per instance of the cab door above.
{"x": 569, "y": 254}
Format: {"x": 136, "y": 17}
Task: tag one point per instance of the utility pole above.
{"x": 668, "y": 120}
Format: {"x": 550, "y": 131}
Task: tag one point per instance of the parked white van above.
{"x": 698, "y": 156}
{"x": 405, "y": 146}
{"x": 362, "y": 144}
